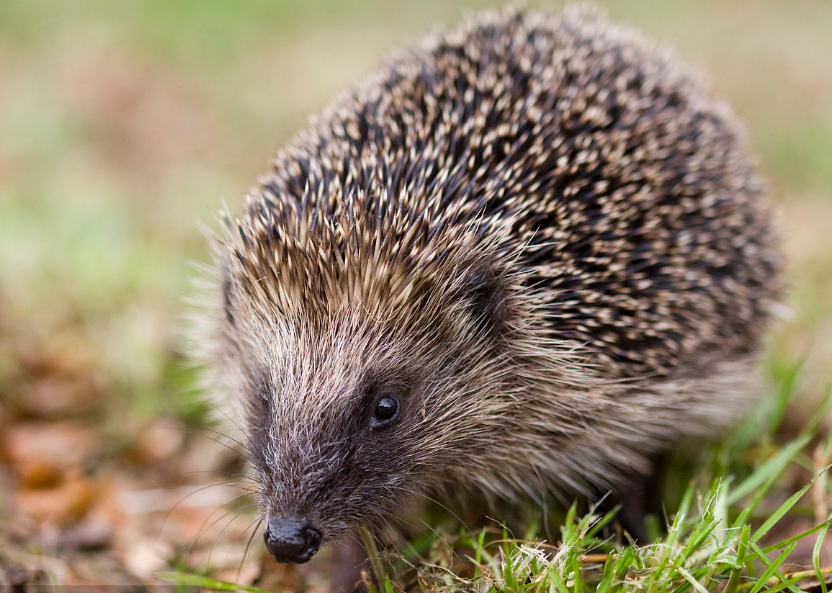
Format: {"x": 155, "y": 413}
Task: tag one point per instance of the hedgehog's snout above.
{"x": 291, "y": 540}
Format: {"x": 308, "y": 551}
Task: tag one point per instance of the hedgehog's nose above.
{"x": 291, "y": 540}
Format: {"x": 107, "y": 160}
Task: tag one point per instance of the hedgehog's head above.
{"x": 366, "y": 347}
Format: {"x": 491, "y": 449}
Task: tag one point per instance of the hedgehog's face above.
{"x": 351, "y": 412}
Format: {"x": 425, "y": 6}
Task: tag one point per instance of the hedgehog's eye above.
{"x": 386, "y": 410}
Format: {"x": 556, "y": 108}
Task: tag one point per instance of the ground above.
{"x": 124, "y": 125}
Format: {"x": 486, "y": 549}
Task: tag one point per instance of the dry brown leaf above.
{"x": 31, "y": 446}
{"x": 158, "y": 440}
{"x": 67, "y": 503}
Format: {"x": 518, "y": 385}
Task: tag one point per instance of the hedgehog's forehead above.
{"x": 305, "y": 260}
{"x": 325, "y": 357}
{"x": 331, "y": 362}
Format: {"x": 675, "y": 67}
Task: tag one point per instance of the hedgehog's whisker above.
{"x": 206, "y": 525}
{"x": 201, "y": 432}
{"x": 422, "y": 494}
{"x": 256, "y": 524}
{"x": 239, "y": 512}
{"x": 236, "y": 425}
{"x": 179, "y": 502}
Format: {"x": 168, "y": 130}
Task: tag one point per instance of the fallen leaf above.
{"x": 67, "y": 503}
{"x": 31, "y": 446}
{"x": 87, "y": 536}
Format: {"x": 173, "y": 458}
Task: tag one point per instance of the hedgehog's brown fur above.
{"x": 540, "y": 234}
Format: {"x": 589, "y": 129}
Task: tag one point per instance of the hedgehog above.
{"x": 520, "y": 260}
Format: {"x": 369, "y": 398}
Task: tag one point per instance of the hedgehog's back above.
{"x": 633, "y": 202}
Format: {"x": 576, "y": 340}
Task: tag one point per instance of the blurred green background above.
{"x": 124, "y": 124}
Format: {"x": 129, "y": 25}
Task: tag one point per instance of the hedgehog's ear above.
{"x": 485, "y": 294}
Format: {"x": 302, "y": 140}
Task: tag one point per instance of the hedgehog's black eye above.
{"x": 386, "y": 410}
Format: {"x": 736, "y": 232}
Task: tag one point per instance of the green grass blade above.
{"x": 781, "y": 400}
{"x": 816, "y": 554}
{"x": 479, "y": 549}
{"x": 772, "y": 567}
{"x": 602, "y": 522}
{"x": 608, "y": 574}
{"x": 657, "y": 575}
{"x": 684, "y": 506}
{"x": 769, "y": 471}
{"x": 373, "y": 555}
{"x": 576, "y": 568}
{"x": 509, "y": 577}
{"x": 784, "y": 508}
{"x": 555, "y": 578}
{"x": 181, "y": 578}
{"x": 699, "y": 536}
{"x": 820, "y": 413}
{"x": 798, "y": 537}
{"x": 693, "y": 582}
{"x": 624, "y": 563}
{"x": 785, "y": 584}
